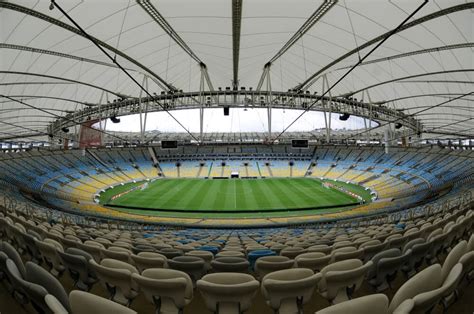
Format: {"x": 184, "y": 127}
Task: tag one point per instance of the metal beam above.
{"x": 406, "y": 77}
{"x": 49, "y": 97}
{"x": 416, "y": 96}
{"x": 33, "y": 83}
{"x": 426, "y": 18}
{"x": 236, "y": 26}
{"x": 51, "y": 20}
{"x": 161, "y": 21}
{"x": 438, "y": 81}
{"x": 413, "y": 53}
{"x": 307, "y": 25}
{"x": 57, "y": 54}
{"x": 63, "y": 79}
{"x": 241, "y": 99}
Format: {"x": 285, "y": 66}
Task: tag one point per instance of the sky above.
{"x": 239, "y": 120}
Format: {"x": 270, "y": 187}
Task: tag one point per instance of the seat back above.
{"x": 267, "y": 264}
{"x": 82, "y": 303}
{"x": 145, "y": 260}
{"x": 426, "y": 280}
{"x": 374, "y": 303}
{"x": 425, "y": 301}
{"x": 228, "y": 292}
{"x": 350, "y": 274}
{"x": 287, "y": 290}
{"x": 37, "y": 275}
{"x": 173, "y": 288}
{"x": 312, "y": 260}
{"x": 117, "y": 277}
{"x": 230, "y": 264}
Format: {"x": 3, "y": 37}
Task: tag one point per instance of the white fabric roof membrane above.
{"x": 404, "y": 74}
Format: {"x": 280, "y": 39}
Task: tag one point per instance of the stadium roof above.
{"x": 49, "y": 68}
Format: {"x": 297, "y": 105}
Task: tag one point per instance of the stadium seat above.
{"x": 386, "y": 265}
{"x": 49, "y": 250}
{"x": 118, "y": 253}
{"x": 425, "y": 301}
{"x": 45, "y": 291}
{"x": 146, "y": 260}
{"x": 292, "y": 252}
{"x": 374, "y": 303}
{"x": 230, "y": 264}
{"x": 116, "y": 276}
{"x": 82, "y": 303}
{"x": 76, "y": 262}
{"x": 194, "y": 266}
{"x": 207, "y": 256}
{"x": 286, "y": 291}
{"x": 419, "y": 248}
{"x": 168, "y": 289}
{"x": 230, "y": 253}
{"x": 427, "y": 280}
{"x": 267, "y": 264}
{"x": 312, "y": 260}
{"x": 341, "y": 279}
{"x": 254, "y": 255}
{"x": 228, "y": 292}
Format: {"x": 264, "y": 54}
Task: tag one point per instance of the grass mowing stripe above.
{"x": 277, "y": 188}
{"x": 192, "y": 197}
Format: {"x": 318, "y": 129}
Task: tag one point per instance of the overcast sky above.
{"x": 239, "y": 120}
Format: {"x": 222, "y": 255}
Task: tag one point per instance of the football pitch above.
{"x": 231, "y": 195}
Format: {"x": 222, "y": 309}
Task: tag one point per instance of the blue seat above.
{"x": 213, "y": 249}
{"x": 254, "y": 255}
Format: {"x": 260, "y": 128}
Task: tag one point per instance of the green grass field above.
{"x": 231, "y": 196}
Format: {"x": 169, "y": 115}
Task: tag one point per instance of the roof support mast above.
{"x": 236, "y": 27}
{"x": 307, "y": 25}
{"x": 161, "y": 21}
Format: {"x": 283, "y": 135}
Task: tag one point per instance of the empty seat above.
{"x": 82, "y": 303}
{"x": 374, "y": 303}
{"x": 93, "y": 248}
{"x": 230, "y": 254}
{"x": 292, "y": 252}
{"x": 228, "y": 292}
{"x": 286, "y": 291}
{"x": 170, "y": 252}
{"x": 230, "y": 264}
{"x": 267, "y": 264}
{"x": 427, "y": 280}
{"x": 385, "y": 268}
{"x": 425, "y": 301}
{"x": 419, "y": 248}
{"x": 16, "y": 280}
{"x": 145, "y": 260}
{"x": 341, "y": 279}
{"x": 76, "y": 262}
{"x": 51, "y": 297}
{"x": 312, "y": 260}
{"x": 254, "y": 255}
{"x": 207, "y": 256}
{"x": 49, "y": 250}
{"x": 194, "y": 266}
{"x": 118, "y": 253}
{"x": 347, "y": 252}
{"x": 170, "y": 290}
{"x": 117, "y": 278}
{"x": 371, "y": 248}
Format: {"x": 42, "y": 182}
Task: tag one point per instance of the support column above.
{"x": 269, "y": 103}
{"x": 201, "y": 108}
{"x": 142, "y": 119}
{"x": 327, "y": 113}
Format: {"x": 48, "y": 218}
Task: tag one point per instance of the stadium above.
{"x": 236, "y": 156}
